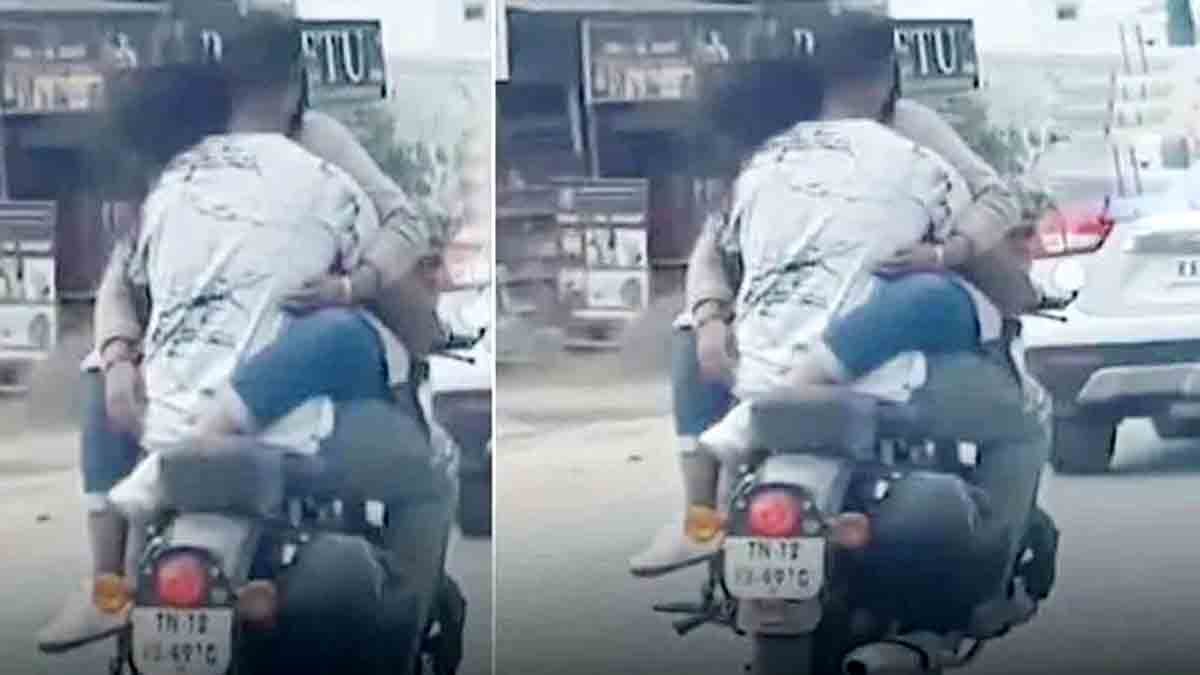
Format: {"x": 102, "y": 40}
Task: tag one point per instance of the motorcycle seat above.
{"x": 833, "y": 418}
{"x": 246, "y": 477}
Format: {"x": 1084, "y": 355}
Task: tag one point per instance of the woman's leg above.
{"x": 332, "y": 352}
{"x": 922, "y": 312}
{"x": 107, "y": 457}
{"x": 698, "y": 403}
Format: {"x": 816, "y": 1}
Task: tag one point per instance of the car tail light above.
{"x": 258, "y": 603}
{"x": 776, "y": 513}
{"x": 182, "y": 581}
{"x": 1072, "y": 231}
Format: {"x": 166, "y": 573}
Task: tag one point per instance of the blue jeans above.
{"x": 930, "y": 313}
{"x": 333, "y": 352}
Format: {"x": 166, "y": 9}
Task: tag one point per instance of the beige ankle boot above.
{"x": 699, "y": 536}
{"x": 99, "y": 607}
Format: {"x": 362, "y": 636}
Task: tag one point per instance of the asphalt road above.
{"x": 43, "y": 549}
{"x": 576, "y": 497}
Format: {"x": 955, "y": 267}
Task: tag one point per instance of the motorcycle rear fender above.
{"x": 825, "y": 480}
{"x": 232, "y": 540}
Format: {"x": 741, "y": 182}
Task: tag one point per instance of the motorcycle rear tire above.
{"x": 1083, "y": 446}
{"x": 475, "y": 505}
{"x": 785, "y": 655}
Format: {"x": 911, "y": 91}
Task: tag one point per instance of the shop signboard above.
{"x": 346, "y": 61}
{"x": 345, "y": 57}
{"x": 659, "y": 58}
{"x": 28, "y": 319}
{"x": 60, "y": 64}
{"x": 937, "y": 56}
{"x": 603, "y": 242}
{"x": 656, "y": 58}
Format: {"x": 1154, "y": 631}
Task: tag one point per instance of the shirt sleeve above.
{"x": 714, "y": 268}
{"x": 928, "y": 188}
{"x": 346, "y": 213}
{"x": 117, "y": 313}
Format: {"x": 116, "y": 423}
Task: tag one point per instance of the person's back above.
{"x": 218, "y": 212}
{"x": 816, "y": 209}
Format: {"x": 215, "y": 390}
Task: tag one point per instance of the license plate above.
{"x": 785, "y": 569}
{"x": 169, "y": 641}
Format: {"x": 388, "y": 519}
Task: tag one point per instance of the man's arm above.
{"x": 390, "y": 282}
{"x": 706, "y": 279}
{"x": 405, "y": 236}
{"x": 709, "y": 279}
{"x": 995, "y": 208}
{"x": 988, "y": 260}
{"x": 121, "y": 309}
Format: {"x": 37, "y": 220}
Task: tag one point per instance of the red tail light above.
{"x": 776, "y": 513}
{"x": 182, "y": 581}
{"x": 1072, "y": 231}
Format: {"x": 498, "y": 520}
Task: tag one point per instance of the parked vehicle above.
{"x": 462, "y": 389}
{"x": 232, "y": 584}
{"x": 864, "y": 564}
{"x": 1129, "y": 346}
{"x": 28, "y": 299}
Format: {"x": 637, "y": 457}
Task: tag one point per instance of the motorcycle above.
{"x": 859, "y": 545}
{"x": 461, "y": 377}
{"x": 264, "y": 565}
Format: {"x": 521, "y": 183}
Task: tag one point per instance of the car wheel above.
{"x": 475, "y": 505}
{"x": 1083, "y": 445}
{"x": 1172, "y": 428}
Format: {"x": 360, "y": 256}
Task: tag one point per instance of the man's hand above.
{"x": 714, "y": 350}
{"x": 331, "y": 290}
{"x": 919, "y": 258}
{"x": 923, "y": 257}
{"x": 124, "y": 397}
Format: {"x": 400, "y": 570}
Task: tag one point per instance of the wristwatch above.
{"x": 127, "y": 355}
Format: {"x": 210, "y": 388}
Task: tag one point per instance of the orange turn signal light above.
{"x": 258, "y": 603}
{"x": 850, "y": 531}
{"x": 111, "y": 594}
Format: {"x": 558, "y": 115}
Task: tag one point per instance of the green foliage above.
{"x": 1003, "y": 147}
{"x": 1011, "y": 150}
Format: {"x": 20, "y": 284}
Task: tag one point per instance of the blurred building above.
{"x": 56, "y": 58}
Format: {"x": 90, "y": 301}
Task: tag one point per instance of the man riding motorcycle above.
{"x": 264, "y": 108}
{"x": 977, "y": 392}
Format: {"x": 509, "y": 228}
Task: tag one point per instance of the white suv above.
{"x": 1129, "y": 345}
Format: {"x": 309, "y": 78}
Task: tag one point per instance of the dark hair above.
{"x": 858, "y": 45}
{"x": 745, "y": 104}
{"x": 262, "y": 50}
{"x": 156, "y": 113}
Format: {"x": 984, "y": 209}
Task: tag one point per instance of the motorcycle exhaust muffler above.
{"x": 885, "y": 658}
